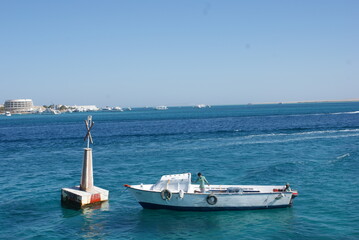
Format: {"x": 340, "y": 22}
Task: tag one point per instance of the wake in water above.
{"x": 343, "y": 156}
{"x": 305, "y": 133}
{"x": 294, "y": 138}
{"x": 313, "y": 114}
{"x": 340, "y": 158}
{"x": 355, "y": 112}
{"x": 270, "y": 138}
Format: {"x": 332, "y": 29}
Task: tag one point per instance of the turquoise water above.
{"x": 312, "y": 146}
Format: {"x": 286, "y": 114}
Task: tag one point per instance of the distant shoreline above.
{"x": 308, "y": 101}
{"x": 2, "y": 110}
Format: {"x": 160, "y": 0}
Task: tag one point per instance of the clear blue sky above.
{"x": 148, "y": 53}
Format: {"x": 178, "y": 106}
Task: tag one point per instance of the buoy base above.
{"x": 74, "y": 196}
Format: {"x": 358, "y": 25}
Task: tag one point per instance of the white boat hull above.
{"x": 225, "y": 201}
{"x": 177, "y": 193}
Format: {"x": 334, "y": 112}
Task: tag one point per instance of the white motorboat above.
{"x": 8, "y": 114}
{"x": 117, "y": 109}
{"x": 107, "y": 108}
{"x": 161, "y": 108}
{"x": 176, "y": 192}
{"x": 202, "y": 106}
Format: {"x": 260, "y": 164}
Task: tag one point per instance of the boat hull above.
{"x": 223, "y": 201}
{"x": 206, "y": 209}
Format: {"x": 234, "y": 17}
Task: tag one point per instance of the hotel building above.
{"x": 19, "y": 106}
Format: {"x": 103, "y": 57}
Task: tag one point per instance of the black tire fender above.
{"x": 212, "y": 199}
{"x": 166, "y": 194}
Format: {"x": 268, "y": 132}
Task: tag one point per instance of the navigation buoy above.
{"x": 86, "y": 193}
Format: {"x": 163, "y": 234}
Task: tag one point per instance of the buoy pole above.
{"x": 87, "y": 171}
{"x": 86, "y": 193}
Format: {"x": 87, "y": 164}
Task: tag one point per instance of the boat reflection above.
{"x": 183, "y": 225}
{"x": 69, "y": 211}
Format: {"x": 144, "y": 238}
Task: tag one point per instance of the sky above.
{"x": 178, "y": 53}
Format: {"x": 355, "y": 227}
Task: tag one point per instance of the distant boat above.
{"x": 117, "y": 109}
{"x": 8, "y": 114}
{"x": 202, "y": 106}
{"x": 161, "y": 108}
{"x": 107, "y": 108}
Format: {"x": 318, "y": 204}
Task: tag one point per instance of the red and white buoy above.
{"x": 86, "y": 193}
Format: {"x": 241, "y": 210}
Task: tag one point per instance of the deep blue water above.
{"x": 313, "y": 146}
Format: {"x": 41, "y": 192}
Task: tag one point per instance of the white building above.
{"x": 19, "y": 106}
{"x": 84, "y": 108}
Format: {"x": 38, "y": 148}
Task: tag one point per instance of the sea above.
{"x": 312, "y": 146}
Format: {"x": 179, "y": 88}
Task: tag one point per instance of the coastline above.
{"x": 2, "y": 110}
{"x": 309, "y": 101}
